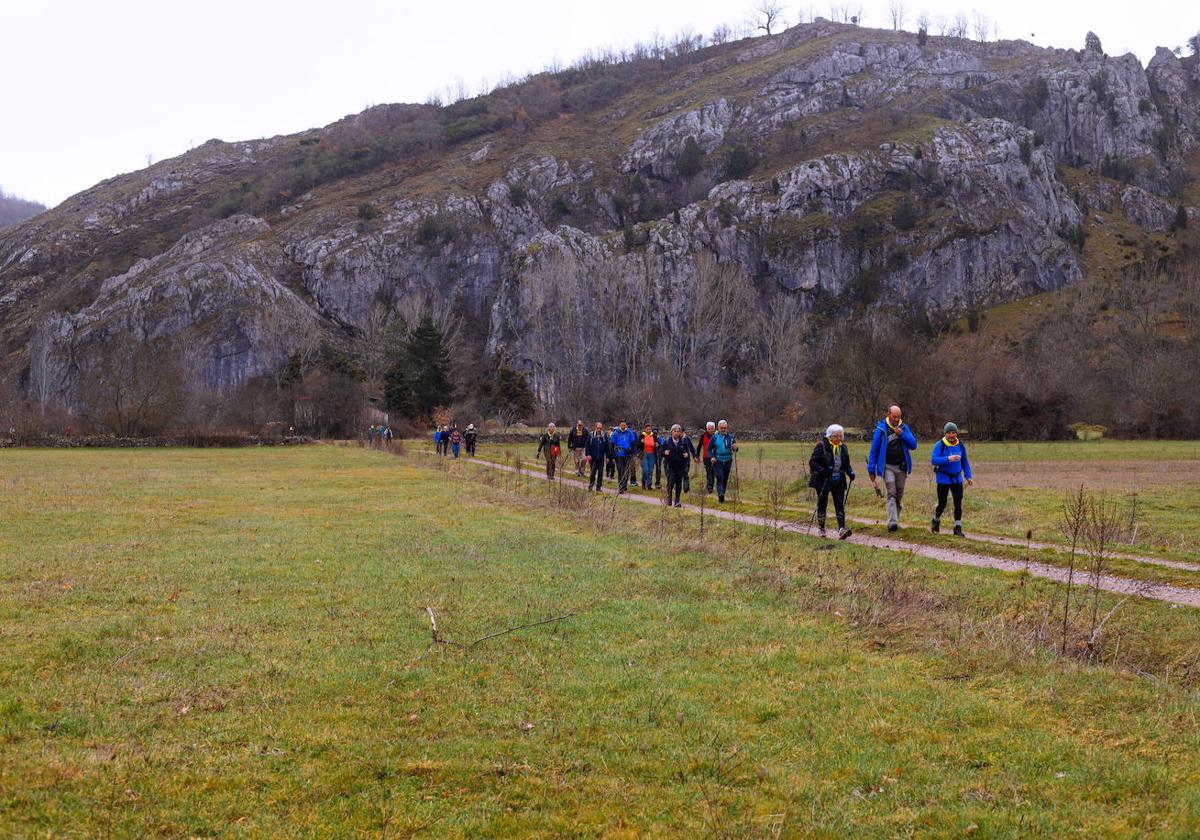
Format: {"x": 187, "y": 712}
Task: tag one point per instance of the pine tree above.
{"x": 428, "y": 368}
{"x": 691, "y": 159}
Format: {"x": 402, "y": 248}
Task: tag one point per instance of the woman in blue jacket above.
{"x": 951, "y": 466}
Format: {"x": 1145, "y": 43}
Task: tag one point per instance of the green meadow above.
{"x": 239, "y": 643}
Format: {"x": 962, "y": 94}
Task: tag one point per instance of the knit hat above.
{"x": 948, "y": 428}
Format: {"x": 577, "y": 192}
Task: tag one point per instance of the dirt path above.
{"x": 1110, "y": 583}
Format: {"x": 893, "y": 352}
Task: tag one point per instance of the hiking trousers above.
{"x": 551, "y": 460}
{"x": 944, "y": 490}
{"x": 709, "y": 476}
{"x": 721, "y": 470}
{"x": 675, "y": 476}
{"x": 894, "y": 479}
{"x": 596, "y": 475}
{"x": 624, "y": 468}
{"x": 648, "y": 462}
{"x": 580, "y": 461}
{"x": 837, "y": 489}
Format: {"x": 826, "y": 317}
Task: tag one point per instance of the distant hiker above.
{"x": 437, "y": 439}
{"x": 649, "y": 447}
{"x": 624, "y": 442}
{"x": 687, "y": 484}
{"x": 577, "y": 444}
{"x": 469, "y": 437}
{"x": 710, "y": 429}
{"x": 387, "y": 436}
{"x": 659, "y": 440}
{"x": 830, "y": 474}
{"x": 890, "y": 459}
{"x": 721, "y": 447}
{"x": 455, "y": 439}
{"x": 951, "y": 466}
{"x": 610, "y": 464}
{"x": 371, "y": 435}
{"x": 445, "y": 440}
{"x": 676, "y": 457}
{"x": 551, "y": 444}
{"x": 596, "y": 454}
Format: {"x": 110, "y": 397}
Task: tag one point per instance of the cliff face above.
{"x": 836, "y": 166}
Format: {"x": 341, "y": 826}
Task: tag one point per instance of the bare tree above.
{"x": 981, "y": 25}
{"x": 132, "y": 388}
{"x": 942, "y": 24}
{"x": 961, "y": 27}
{"x": 897, "y": 15}
{"x": 923, "y": 21}
{"x": 720, "y": 35}
{"x": 769, "y": 15}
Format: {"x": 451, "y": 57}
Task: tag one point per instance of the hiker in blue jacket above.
{"x": 890, "y": 459}
{"x": 624, "y": 444}
{"x": 596, "y": 452}
{"x": 951, "y": 466}
{"x": 720, "y": 454}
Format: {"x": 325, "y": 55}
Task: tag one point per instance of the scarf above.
{"x": 896, "y": 429}
{"x": 947, "y": 442}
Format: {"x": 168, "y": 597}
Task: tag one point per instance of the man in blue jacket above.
{"x": 951, "y": 466}
{"x": 891, "y": 459}
{"x": 624, "y": 443}
{"x": 720, "y": 452}
{"x": 596, "y": 451}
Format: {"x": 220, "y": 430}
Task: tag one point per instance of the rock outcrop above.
{"x": 880, "y": 173}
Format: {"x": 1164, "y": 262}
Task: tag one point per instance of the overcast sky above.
{"x": 93, "y": 87}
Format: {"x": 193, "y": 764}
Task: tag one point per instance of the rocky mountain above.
{"x": 571, "y": 222}
{"x": 14, "y": 209}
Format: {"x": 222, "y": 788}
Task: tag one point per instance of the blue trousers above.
{"x": 647, "y": 470}
{"x": 721, "y": 471}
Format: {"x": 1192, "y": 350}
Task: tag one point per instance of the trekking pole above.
{"x": 816, "y": 504}
{"x": 737, "y": 482}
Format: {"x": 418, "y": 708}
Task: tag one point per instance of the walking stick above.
{"x": 737, "y": 482}
{"x": 816, "y": 504}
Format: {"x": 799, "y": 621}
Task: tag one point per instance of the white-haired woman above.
{"x": 830, "y": 474}
{"x": 550, "y": 443}
{"x": 677, "y": 455}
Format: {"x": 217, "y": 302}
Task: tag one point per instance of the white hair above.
{"x": 710, "y": 425}
{"x": 677, "y": 426}
{"x": 551, "y": 426}
{"x": 722, "y": 423}
{"x": 835, "y": 429}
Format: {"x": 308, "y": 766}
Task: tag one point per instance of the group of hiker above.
{"x": 380, "y": 433}
{"x": 620, "y": 452}
{"x": 449, "y": 440}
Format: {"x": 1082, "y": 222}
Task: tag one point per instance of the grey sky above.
{"x": 91, "y": 88}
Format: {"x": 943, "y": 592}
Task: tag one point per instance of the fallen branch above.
{"x": 521, "y": 627}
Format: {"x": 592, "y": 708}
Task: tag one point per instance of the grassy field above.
{"x": 203, "y": 643}
{"x": 1018, "y": 486}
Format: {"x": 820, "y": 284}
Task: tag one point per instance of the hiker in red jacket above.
{"x": 551, "y": 444}
{"x": 710, "y": 429}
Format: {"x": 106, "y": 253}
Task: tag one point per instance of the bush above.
{"x": 740, "y": 164}
{"x": 691, "y": 160}
{"x": 905, "y": 216}
{"x": 518, "y": 196}
{"x": 368, "y": 211}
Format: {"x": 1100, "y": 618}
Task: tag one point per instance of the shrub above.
{"x": 904, "y": 217}
{"x": 368, "y": 211}
{"x": 691, "y": 160}
{"x": 740, "y": 164}
{"x": 518, "y": 196}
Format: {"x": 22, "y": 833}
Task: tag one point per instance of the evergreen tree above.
{"x": 428, "y": 368}
{"x": 510, "y": 393}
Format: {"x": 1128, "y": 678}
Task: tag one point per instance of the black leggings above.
{"x": 838, "y": 490}
{"x": 596, "y": 474}
{"x": 945, "y": 489}
{"x": 675, "y": 481}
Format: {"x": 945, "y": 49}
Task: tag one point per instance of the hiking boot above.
{"x": 678, "y": 505}
{"x": 893, "y": 528}
{"x": 721, "y": 499}
{"x": 844, "y": 533}
{"x": 935, "y": 526}
{"x": 958, "y": 531}
{"x": 821, "y": 531}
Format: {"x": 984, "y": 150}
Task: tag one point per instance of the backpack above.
{"x": 962, "y": 444}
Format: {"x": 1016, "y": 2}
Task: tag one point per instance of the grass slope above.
{"x": 202, "y": 643}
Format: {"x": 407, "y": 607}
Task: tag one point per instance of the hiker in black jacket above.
{"x": 577, "y": 444}
{"x": 469, "y": 436}
{"x": 551, "y": 443}
{"x": 677, "y": 457}
{"x": 596, "y": 454}
{"x": 830, "y": 474}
